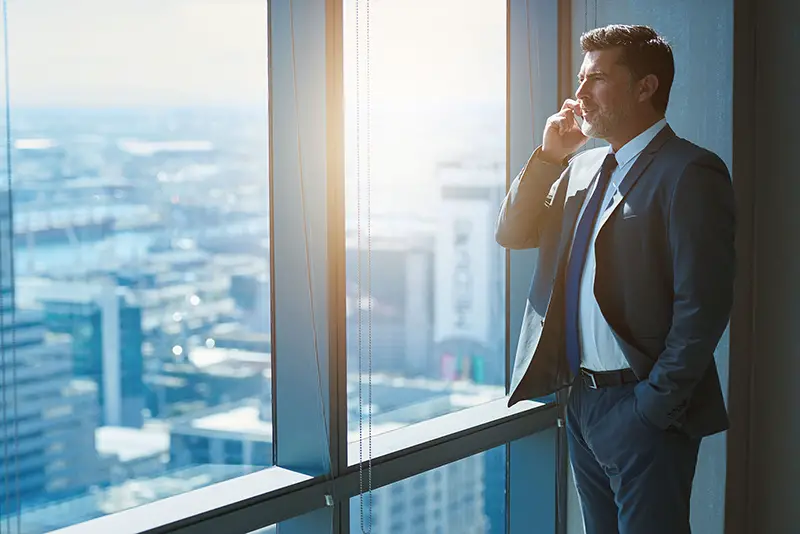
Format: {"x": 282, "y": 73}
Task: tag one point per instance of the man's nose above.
{"x": 581, "y": 92}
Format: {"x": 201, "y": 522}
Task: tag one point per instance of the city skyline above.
{"x": 141, "y": 240}
{"x": 192, "y": 298}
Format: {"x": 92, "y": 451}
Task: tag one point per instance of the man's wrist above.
{"x": 553, "y": 159}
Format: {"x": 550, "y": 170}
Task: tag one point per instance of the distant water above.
{"x": 407, "y": 140}
{"x": 406, "y": 145}
{"x": 118, "y": 250}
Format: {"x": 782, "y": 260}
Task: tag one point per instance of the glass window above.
{"x": 425, "y": 173}
{"x": 474, "y": 503}
{"x": 140, "y": 239}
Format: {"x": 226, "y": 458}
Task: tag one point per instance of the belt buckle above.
{"x": 593, "y": 384}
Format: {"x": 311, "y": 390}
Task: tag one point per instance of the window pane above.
{"x": 139, "y": 172}
{"x": 431, "y": 275}
{"x": 468, "y": 496}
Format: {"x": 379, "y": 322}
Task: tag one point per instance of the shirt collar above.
{"x": 633, "y": 147}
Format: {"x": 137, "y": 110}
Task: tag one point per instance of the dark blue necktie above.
{"x": 577, "y": 259}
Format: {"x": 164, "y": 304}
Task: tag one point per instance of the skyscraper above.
{"x": 400, "y": 280}
{"x": 48, "y": 419}
{"x": 469, "y": 281}
{"x": 105, "y": 326}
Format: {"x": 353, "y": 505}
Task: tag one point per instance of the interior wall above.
{"x": 774, "y": 463}
{"x": 700, "y": 110}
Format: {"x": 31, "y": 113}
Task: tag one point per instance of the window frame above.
{"x": 253, "y": 501}
{"x": 293, "y": 492}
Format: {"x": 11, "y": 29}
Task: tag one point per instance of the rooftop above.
{"x": 204, "y": 357}
{"x": 429, "y": 399}
{"x": 239, "y": 420}
{"x": 129, "y": 444}
{"x": 34, "y": 290}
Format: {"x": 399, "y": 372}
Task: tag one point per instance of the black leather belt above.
{"x": 604, "y": 379}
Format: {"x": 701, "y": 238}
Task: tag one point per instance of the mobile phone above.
{"x": 582, "y": 124}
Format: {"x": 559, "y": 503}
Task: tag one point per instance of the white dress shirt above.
{"x": 599, "y": 350}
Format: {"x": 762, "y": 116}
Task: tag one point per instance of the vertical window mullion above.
{"x": 303, "y": 320}
{"x": 535, "y": 463}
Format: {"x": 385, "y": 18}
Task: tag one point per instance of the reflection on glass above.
{"x": 467, "y": 497}
{"x": 141, "y": 322}
{"x": 435, "y": 151}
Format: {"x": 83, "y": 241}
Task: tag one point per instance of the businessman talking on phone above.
{"x": 633, "y": 285}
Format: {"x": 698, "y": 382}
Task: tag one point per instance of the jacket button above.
{"x": 542, "y": 322}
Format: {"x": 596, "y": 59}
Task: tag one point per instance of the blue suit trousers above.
{"x": 632, "y": 477}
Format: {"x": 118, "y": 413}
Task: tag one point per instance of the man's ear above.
{"x": 647, "y": 87}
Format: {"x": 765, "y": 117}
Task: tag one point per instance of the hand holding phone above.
{"x": 563, "y": 134}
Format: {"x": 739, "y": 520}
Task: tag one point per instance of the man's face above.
{"x": 605, "y": 93}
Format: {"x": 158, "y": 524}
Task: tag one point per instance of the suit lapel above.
{"x": 625, "y": 186}
{"x": 633, "y": 175}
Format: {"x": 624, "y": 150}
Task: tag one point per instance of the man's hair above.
{"x": 643, "y": 52}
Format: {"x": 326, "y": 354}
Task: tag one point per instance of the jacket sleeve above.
{"x": 525, "y": 207}
{"x": 701, "y": 228}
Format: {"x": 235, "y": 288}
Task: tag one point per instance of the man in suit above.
{"x": 633, "y": 285}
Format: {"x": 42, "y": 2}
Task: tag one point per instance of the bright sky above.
{"x": 434, "y": 49}
{"x": 165, "y": 52}
{"x": 118, "y": 52}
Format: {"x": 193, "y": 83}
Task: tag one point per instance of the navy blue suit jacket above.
{"x": 664, "y": 279}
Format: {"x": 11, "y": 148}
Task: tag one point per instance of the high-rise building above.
{"x": 396, "y": 281}
{"x": 447, "y": 499}
{"x": 48, "y": 418}
{"x": 469, "y": 280}
{"x": 104, "y": 324}
{"x": 236, "y": 434}
{"x": 252, "y": 294}
{"x": 208, "y": 377}
{"x": 494, "y": 497}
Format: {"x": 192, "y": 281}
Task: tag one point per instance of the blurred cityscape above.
{"x": 136, "y": 317}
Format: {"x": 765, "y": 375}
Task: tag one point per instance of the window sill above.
{"x": 169, "y": 514}
{"x": 253, "y": 501}
{"x": 429, "y": 432}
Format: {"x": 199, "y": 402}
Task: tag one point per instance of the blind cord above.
{"x": 366, "y": 526}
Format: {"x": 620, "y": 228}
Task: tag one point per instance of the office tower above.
{"x": 447, "y": 499}
{"x": 228, "y": 435}
{"x": 105, "y": 326}
{"x": 469, "y": 280}
{"x": 48, "y": 419}
{"x": 251, "y": 292}
{"x": 208, "y": 377}
{"x": 401, "y": 296}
